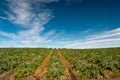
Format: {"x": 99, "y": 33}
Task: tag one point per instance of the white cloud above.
{"x": 106, "y": 39}
{"x": 50, "y": 33}
{"x": 19, "y": 12}
{"x": 82, "y": 43}
{"x": 22, "y": 12}
{"x": 9, "y": 35}
{"x": 1, "y": 17}
{"x": 107, "y": 34}
{"x": 32, "y": 18}
{"x": 87, "y": 31}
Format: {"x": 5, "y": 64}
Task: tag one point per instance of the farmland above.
{"x": 59, "y": 64}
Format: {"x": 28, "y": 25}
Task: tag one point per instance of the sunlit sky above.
{"x": 60, "y": 23}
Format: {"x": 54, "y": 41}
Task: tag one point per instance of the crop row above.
{"x": 56, "y": 69}
{"x": 23, "y": 61}
{"x": 93, "y": 63}
{"x": 88, "y": 63}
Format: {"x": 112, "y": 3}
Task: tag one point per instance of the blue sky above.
{"x": 60, "y": 23}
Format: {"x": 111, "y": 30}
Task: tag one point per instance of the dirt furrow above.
{"x": 41, "y": 70}
{"x": 67, "y": 65}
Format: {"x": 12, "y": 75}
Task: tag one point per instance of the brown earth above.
{"x": 41, "y": 70}
{"x": 7, "y": 76}
{"x": 67, "y": 65}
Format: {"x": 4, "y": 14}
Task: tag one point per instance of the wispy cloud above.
{"x": 87, "y": 31}
{"x": 24, "y": 13}
{"x": 1, "y": 17}
{"x": 9, "y": 35}
{"x": 106, "y": 34}
{"x": 111, "y": 38}
{"x": 29, "y": 14}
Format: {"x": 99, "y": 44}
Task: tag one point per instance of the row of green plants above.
{"x": 56, "y": 69}
{"x": 23, "y": 61}
{"x": 93, "y": 63}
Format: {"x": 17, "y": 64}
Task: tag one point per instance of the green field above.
{"x": 83, "y": 63}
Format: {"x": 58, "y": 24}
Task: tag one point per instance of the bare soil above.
{"x": 41, "y": 70}
{"x": 70, "y": 73}
{"x": 7, "y": 76}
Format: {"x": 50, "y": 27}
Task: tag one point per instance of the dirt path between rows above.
{"x": 7, "y": 76}
{"x": 41, "y": 70}
{"x": 67, "y": 65}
